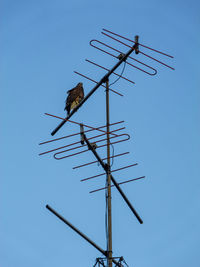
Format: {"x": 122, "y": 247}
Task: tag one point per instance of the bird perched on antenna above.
{"x": 75, "y": 95}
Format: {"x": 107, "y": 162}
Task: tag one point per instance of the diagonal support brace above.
{"x": 113, "y": 180}
{"x": 80, "y": 233}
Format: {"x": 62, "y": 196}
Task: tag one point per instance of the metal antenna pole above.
{"x": 108, "y": 195}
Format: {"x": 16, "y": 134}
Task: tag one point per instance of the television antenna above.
{"x": 104, "y": 135}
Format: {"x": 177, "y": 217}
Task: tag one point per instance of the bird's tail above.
{"x": 68, "y": 109}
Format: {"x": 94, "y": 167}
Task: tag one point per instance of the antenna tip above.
{"x": 136, "y": 38}
{"x": 136, "y": 44}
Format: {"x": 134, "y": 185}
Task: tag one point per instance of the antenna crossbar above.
{"x": 88, "y": 78}
{"x": 139, "y": 43}
{"x": 88, "y": 126}
{"x": 86, "y": 164}
{"x": 125, "y": 167}
{"x": 127, "y": 181}
{"x": 108, "y": 70}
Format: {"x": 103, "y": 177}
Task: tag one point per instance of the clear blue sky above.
{"x": 42, "y": 43}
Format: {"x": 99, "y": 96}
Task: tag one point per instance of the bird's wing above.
{"x": 74, "y": 94}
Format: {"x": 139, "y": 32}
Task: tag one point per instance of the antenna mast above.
{"x": 108, "y": 182}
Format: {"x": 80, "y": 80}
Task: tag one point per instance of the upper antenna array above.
{"x": 122, "y": 57}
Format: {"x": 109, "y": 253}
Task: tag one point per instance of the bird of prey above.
{"x": 75, "y": 95}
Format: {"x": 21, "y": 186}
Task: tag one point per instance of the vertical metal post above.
{"x": 108, "y": 195}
